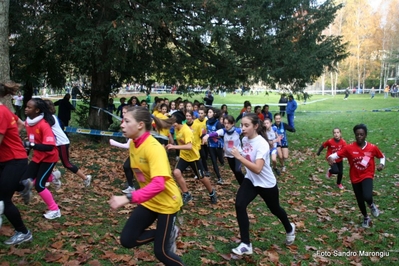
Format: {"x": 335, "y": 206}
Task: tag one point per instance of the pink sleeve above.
{"x": 156, "y": 186}
{"x": 119, "y": 144}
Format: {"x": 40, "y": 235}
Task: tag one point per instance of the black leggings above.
{"x": 135, "y": 233}
{"x": 10, "y": 175}
{"x": 364, "y": 193}
{"x": 39, "y": 172}
{"x": 216, "y": 154}
{"x": 128, "y": 172}
{"x": 337, "y": 169}
{"x": 204, "y": 156}
{"x": 63, "y": 152}
{"x": 235, "y": 166}
{"x": 246, "y": 194}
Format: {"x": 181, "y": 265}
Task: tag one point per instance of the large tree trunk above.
{"x": 4, "y": 51}
{"x": 100, "y": 90}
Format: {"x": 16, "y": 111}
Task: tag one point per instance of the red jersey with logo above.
{"x": 334, "y": 146}
{"x": 11, "y": 147}
{"x": 41, "y": 133}
{"x": 361, "y": 160}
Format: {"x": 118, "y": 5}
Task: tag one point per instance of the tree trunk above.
{"x": 4, "y": 51}
{"x": 100, "y": 90}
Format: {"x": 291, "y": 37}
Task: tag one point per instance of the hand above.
{"x": 170, "y": 147}
{"x": 118, "y": 201}
{"x": 26, "y": 144}
{"x": 205, "y": 139}
{"x": 330, "y": 161}
{"x": 235, "y": 152}
{"x": 380, "y": 167}
{"x": 318, "y": 154}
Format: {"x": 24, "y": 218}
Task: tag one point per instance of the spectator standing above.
{"x": 372, "y": 92}
{"x": 64, "y": 110}
{"x": 386, "y": 91}
{"x": 291, "y": 107}
{"x": 75, "y": 93}
{"x": 208, "y": 98}
{"x": 282, "y": 103}
{"x": 111, "y": 108}
{"x": 18, "y": 102}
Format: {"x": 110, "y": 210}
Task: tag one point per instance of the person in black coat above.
{"x": 64, "y": 110}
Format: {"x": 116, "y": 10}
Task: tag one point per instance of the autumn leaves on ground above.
{"x": 327, "y": 219}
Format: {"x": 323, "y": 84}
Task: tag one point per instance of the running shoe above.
{"x": 213, "y": 197}
{"x": 187, "y": 197}
{"x": 26, "y": 193}
{"x": 173, "y": 236}
{"x": 340, "y": 186}
{"x": 57, "y": 180}
{"x": 52, "y": 214}
{"x": 366, "y": 222}
{"x": 243, "y": 249}
{"x": 290, "y": 236}
{"x": 328, "y": 174}
{"x": 129, "y": 189}
{"x": 87, "y": 181}
{"x": 374, "y": 210}
{"x": 19, "y": 238}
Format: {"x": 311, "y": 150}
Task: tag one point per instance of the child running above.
{"x": 333, "y": 145}
{"x": 189, "y": 156}
{"x": 231, "y": 136}
{"x": 158, "y": 198}
{"x": 361, "y": 155}
{"x": 274, "y": 140}
{"x": 62, "y": 143}
{"x": 13, "y": 164}
{"x": 215, "y": 145}
{"x": 39, "y": 121}
{"x": 259, "y": 180}
{"x": 282, "y": 146}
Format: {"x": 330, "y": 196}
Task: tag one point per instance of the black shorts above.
{"x": 196, "y": 166}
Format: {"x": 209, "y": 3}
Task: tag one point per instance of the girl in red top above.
{"x": 333, "y": 145}
{"x": 38, "y": 124}
{"x": 361, "y": 155}
{"x": 13, "y": 164}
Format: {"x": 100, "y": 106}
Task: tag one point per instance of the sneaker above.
{"x": 213, "y": 197}
{"x": 173, "y": 236}
{"x": 366, "y": 222}
{"x": 52, "y": 214}
{"x": 220, "y": 181}
{"x": 374, "y": 210}
{"x": 177, "y": 158}
{"x": 87, "y": 181}
{"x": 340, "y": 186}
{"x": 19, "y": 238}
{"x": 289, "y": 240}
{"x": 26, "y": 193}
{"x": 283, "y": 169}
{"x": 128, "y": 190}
{"x": 206, "y": 173}
{"x": 243, "y": 249}
{"x": 57, "y": 180}
{"x": 1, "y": 212}
{"x": 187, "y": 197}
{"x": 328, "y": 174}
{"x": 277, "y": 171}
{"x": 47, "y": 184}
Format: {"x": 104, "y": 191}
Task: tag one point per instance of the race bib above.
{"x": 230, "y": 144}
{"x": 139, "y": 175}
{"x": 365, "y": 161}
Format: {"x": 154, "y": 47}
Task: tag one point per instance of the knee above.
{"x": 177, "y": 173}
{"x": 126, "y": 242}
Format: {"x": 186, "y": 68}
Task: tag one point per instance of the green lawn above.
{"x": 327, "y": 219}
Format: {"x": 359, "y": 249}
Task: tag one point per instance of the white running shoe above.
{"x": 129, "y": 189}
{"x": 52, "y": 214}
{"x": 87, "y": 181}
{"x": 57, "y": 180}
{"x": 243, "y": 249}
{"x": 290, "y": 236}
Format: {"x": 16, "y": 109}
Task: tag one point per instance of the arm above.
{"x": 187, "y": 146}
{"x": 253, "y": 167}
{"x": 379, "y": 167}
{"x": 288, "y": 127}
{"x": 156, "y": 186}
{"x": 119, "y": 144}
{"x": 39, "y": 147}
{"x": 20, "y": 124}
{"x": 320, "y": 149}
{"x": 331, "y": 159}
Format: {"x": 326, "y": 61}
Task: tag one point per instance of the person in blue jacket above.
{"x": 291, "y": 107}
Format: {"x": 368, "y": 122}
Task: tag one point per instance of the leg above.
{"x": 367, "y": 188}
{"x": 358, "y": 189}
{"x": 284, "y": 151}
{"x": 63, "y": 152}
{"x": 220, "y": 155}
{"x": 42, "y": 175}
{"x": 204, "y": 157}
{"x": 162, "y": 242}
{"x": 245, "y": 195}
{"x": 212, "y": 153}
{"x": 134, "y": 232}
{"x": 177, "y": 173}
{"x": 340, "y": 166}
{"x": 235, "y": 166}
{"x": 128, "y": 172}
{"x": 10, "y": 173}
{"x": 271, "y": 198}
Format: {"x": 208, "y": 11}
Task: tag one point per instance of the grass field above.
{"x": 327, "y": 219}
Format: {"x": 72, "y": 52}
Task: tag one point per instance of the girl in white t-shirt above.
{"x": 259, "y": 180}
